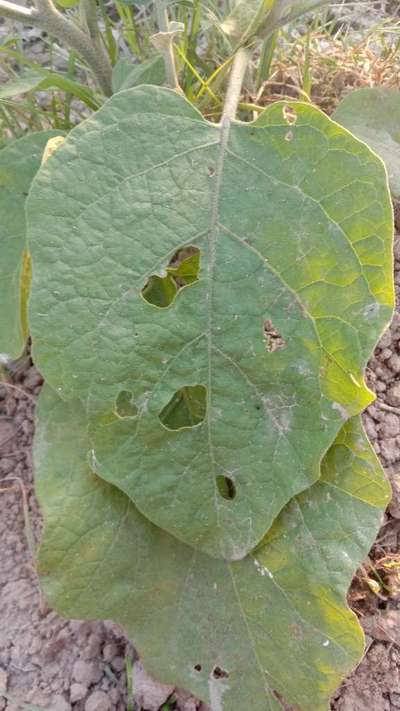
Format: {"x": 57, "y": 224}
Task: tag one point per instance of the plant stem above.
{"x": 168, "y": 49}
{"x": 89, "y": 17}
{"x": 46, "y": 16}
{"x": 238, "y": 71}
{"x": 16, "y": 12}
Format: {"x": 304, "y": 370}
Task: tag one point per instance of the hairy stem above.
{"x": 168, "y": 49}
{"x": 46, "y": 16}
{"x": 89, "y": 17}
{"x": 17, "y": 12}
{"x": 238, "y": 71}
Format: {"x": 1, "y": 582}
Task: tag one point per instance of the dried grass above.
{"x": 335, "y": 67}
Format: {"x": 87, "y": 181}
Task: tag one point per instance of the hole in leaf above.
{"x": 198, "y": 667}
{"x": 289, "y": 114}
{"x": 273, "y": 339}
{"x": 124, "y": 405}
{"x": 182, "y": 270}
{"x": 219, "y": 673}
{"x": 289, "y": 136}
{"x": 187, "y": 408}
{"x": 226, "y": 487}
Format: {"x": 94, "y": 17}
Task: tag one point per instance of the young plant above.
{"x": 205, "y": 298}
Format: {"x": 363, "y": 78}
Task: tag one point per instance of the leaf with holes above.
{"x": 234, "y": 634}
{"x": 19, "y": 162}
{"x": 291, "y": 220}
{"x": 373, "y": 115}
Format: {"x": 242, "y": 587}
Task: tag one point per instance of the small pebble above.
{"x": 386, "y": 353}
{"x": 78, "y": 692}
{"x": 92, "y": 648}
{"x": 386, "y": 340}
{"x": 86, "y": 672}
{"x": 110, "y": 651}
{"x": 394, "y": 363}
{"x": 393, "y": 395}
{"x": 390, "y": 426}
{"x": 98, "y": 701}
{"x": 60, "y": 704}
{"x": 389, "y": 450}
{"x": 118, "y": 664}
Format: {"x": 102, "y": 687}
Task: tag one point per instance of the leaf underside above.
{"x": 250, "y": 20}
{"x": 126, "y": 75}
{"x": 373, "y": 115}
{"x": 293, "y": 223}
{"x": 226, "y": 631}
{"x": 19, "y": 162}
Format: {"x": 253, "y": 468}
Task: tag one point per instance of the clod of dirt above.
{"x": 77, "y": 692}
{"x": 98, "y": 701}
{"x": 394, "y": 477}
{"x": 109, "y": 651}
{"x": 186, "y": 702}
{"x": 86, "y": 673}
{"x": 376, "y": 680}
{"x": 58, "y": 703}
{"x": 384, "y": 627}
{"x": 393, "y": 395}
{"x": 149, "y": 694}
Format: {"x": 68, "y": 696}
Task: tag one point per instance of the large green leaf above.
{"x": 231, "y": 633}
{"x": 374, "y": 116}
{"x": 294, "y": 226}
{"x": 19, "y": 162}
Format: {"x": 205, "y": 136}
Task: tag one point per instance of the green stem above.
{"x": 238, "y": 72}
{"x": 168, "y": 49}
{"x": 88, "y": 9}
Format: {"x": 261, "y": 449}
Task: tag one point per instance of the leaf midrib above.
{"x": 224, "y": 128}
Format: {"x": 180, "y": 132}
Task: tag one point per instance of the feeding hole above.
{"x": 226, "y": 487}
{"x": 219, "y": 673}
{"x": 289, "y": 136}
{"x": 182, "y": 270}
{"x": 289, "y": 114}
{"x": 273, "y": 339}
{"x": 124, "y": 405}
{"x": 198, "y": 667}
{"x": 186, "y": 408}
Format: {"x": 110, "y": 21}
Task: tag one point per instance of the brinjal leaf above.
{"x": 292, "y": 219}
{"x": 373, "y": 115}
{"x": 19, "y": 162}
{"x": 232, "y": 633}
